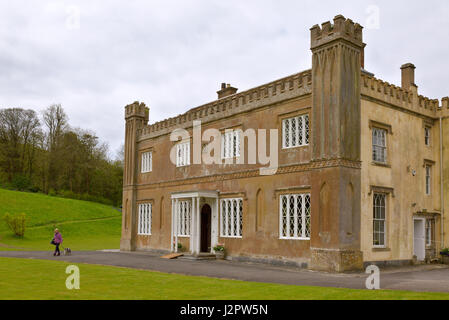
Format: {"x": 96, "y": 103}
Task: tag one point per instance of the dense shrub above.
{"x": 52, "y": 192}
{"x": 16, "y": 223}
{"x": 21, "y": 183}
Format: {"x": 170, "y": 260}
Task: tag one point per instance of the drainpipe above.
{"x": 441, "y": 183}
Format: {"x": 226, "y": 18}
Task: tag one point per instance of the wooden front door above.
{"x": 206, "y": 228}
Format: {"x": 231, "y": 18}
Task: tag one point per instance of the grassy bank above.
{"x": 84, "y": 225}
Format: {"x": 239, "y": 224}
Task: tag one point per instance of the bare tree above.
{"x": 120, "y": 155}
{"x": 55, "y": 120}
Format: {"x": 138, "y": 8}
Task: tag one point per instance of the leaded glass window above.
{"x": 295, "y": 216}
{"x": 231, "y": 218}
{"x": 295, "y": 132}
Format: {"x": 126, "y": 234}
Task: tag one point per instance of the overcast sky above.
{"x": 94, "y": 57}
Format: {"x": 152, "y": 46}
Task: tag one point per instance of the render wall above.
{"x": 260, "y": 193}
{"x": 407, "y": 151}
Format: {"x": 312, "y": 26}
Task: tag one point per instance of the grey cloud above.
{"x": 174, "y": 54}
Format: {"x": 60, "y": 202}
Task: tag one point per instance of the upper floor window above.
{"x": 379, "y": 145}
{"x": 183, "y": 154}
{"x": 428, "y": 179}
{"x": 147, "y": 162}
{"x": 295, "y": 216}
{"x": 231, "y": 218}
{"x": 379, "y": 219}
{"x": 295, "y": 132}
{"x": 427, "y": 136}
{"x": 145, "y": 215}
{"x": 230, "y": 144}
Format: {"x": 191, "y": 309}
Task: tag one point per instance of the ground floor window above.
{"x": 295, "y": 216}
{"x": 231, "y": 218}
{"x": 379, "y": 221}
{"x": 429, "y": 232}
{"x": 184, "y": 218}
{"x": 144, "y": 225}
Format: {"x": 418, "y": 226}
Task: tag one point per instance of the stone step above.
{"x": 201, "y": 256}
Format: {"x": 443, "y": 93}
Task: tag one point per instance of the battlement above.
{"x": 402, "y": 98}
{"x": 286, "y": 88}
{"x": 138, "y": 110}
{"x": 445, "y": 103}
{"x": 341, "y": 29}
{"x": 289, "y": 87}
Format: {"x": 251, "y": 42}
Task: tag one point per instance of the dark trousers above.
{"x": 57, "y": 248}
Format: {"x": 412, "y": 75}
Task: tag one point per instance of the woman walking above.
{"x": 57, "y": 240}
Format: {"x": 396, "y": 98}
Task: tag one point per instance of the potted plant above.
{"x": 445, "y": 255}
{"x": 219, "y": 251}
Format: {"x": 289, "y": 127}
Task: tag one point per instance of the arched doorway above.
{"x": 206, "y": 228}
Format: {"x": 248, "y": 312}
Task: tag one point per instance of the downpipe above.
{"x": 442, "y": 183}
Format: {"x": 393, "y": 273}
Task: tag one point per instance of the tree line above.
{"x": 43, "y": 153}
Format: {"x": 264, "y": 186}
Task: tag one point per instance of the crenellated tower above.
{"x": 336, "y": 202}
{"x": 136, "y": 117}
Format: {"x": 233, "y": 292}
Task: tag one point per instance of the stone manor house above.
{"x": 363, "y": 169}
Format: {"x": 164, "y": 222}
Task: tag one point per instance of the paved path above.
{"x": 431, "y": 278}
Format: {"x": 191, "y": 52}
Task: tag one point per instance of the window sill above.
{"x": 293, "y": 148}
{"x": 380, "y": 164}
{"x": 381, "y": 249}
{"x": 231, "y": 237}
{"x": 295, "y": 239}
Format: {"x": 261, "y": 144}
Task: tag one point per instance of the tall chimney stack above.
{"x": 226, "y": 90}
{"x": 408, "y": 76}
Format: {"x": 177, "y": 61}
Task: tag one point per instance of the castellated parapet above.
{"x": 407, "y": 100}
{"x": 137, "y": 110}
{"x": 293, "y": 86}
{"x": 445, "y": 103}
{"x": 341, "y": 29}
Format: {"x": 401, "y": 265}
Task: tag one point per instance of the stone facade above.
{"x": 343, "y": 103}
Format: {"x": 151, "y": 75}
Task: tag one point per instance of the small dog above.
{"x": 67, "y": 252}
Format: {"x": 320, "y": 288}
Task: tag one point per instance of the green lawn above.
{"x": 84, "y": 225}
{"x": 45, "y": 280}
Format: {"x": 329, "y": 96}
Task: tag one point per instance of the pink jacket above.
{"x": 58, "y": 238}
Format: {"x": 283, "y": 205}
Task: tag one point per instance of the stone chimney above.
{"x": 408, "y": 76}
{"x": 226, "y": 90}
